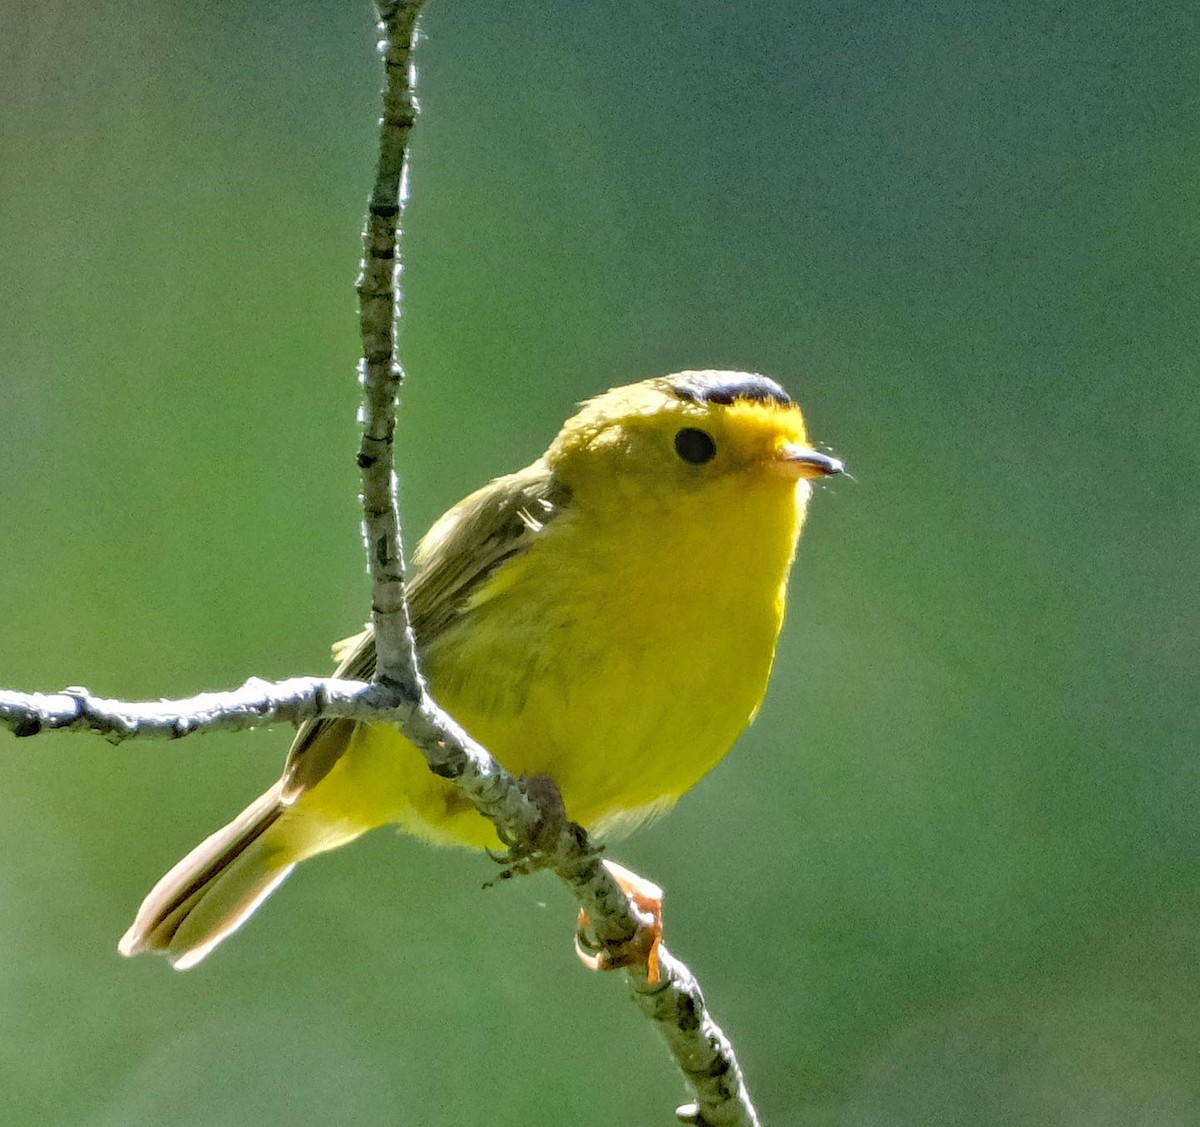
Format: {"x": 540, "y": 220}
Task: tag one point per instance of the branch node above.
{"x": 27, "y": 726}
{"x": 401, "y": 693}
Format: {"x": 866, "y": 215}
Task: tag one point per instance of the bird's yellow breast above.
{"x": 620, "y": 657}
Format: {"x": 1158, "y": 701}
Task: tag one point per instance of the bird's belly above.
{"x": 623, "y": 732}
{"x": 624, "y": 693}
{"x": 626, "y": 727}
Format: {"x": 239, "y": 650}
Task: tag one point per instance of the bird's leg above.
{"x": 519, "y": 860}
{"x": 647, "y": 897}
{"x": 643, "y": 947}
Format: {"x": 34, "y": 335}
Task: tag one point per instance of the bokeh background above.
{"x": 951, "y": 874}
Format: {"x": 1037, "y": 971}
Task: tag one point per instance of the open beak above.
{"x": 799, "y": 461}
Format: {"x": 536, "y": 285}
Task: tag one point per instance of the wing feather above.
{"x": 456, "y": 557}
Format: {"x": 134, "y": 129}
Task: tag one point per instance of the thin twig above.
{"x": 254, "y": 705}
{"x": 399, "y": 695}
{"x": 379, "y": 370}
{"x": 698, "y": 1044}
{"x": 675, "y": 1002}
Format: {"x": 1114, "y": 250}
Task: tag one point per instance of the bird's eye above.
{"x": 695, "y": 446}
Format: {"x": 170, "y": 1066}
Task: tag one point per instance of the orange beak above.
{"x": 798, "y": 462}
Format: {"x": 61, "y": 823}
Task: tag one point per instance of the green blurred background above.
{"x": 951, "y": 874}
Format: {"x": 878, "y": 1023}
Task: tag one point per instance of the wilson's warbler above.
{"x": 606, "y": 616}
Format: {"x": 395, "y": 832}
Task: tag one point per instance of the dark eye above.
{"x": 695, "y": 446}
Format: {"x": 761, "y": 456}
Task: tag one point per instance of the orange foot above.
{"x": 642, "y": 949}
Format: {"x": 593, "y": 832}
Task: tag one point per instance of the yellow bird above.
{"x": 606, "y": 616}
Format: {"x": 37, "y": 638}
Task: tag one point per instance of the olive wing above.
{"x": 458, "y": 554}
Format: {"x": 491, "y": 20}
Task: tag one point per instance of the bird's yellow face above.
{"x": 681, "y": 434}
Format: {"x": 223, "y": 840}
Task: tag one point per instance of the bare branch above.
{"x": 698, "y": 1044}
{"x": 255, "y": 704}
{"x": 538, "y": 834}
{"x": 379, "y": 370}
{"x": 674, "y": 1002}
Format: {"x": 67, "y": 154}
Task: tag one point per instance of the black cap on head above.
{"x": 724, "y": 387}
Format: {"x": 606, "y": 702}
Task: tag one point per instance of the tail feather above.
{"x": 214, "y": 889}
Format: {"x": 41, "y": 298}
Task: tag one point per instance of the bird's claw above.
{"x": 521, "y": 859}
{"x": 642, "y": 949}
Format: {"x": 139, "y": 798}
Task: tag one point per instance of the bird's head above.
{"x": 682, "y": 434}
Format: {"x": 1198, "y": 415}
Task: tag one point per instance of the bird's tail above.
{"x": 219, "y": 884}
